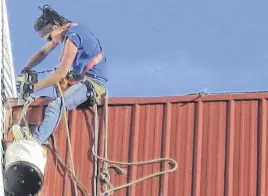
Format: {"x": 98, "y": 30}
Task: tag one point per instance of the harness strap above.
{"x": 98, "y": 88}
{"x": 95, "y": 90}
{"x": 66, "y": 82}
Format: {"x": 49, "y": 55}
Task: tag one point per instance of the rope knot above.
{"x": 104, "y": 177}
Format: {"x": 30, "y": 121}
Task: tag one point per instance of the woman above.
{"x": 81, "y": 50}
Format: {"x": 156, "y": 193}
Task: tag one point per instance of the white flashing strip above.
{"x": 1, "y": 103}
{"x": 6, "y": 63}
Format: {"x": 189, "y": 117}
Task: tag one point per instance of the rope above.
{"x": 105, "y": 174}
{"x": 68, "y": 137}
{"x": 75, "y": 180}
{"x": 73, "y": 176}
{"x": 95, "y": 149}
{"x": 26, "y": 105}
{"x": 105, "y": 167}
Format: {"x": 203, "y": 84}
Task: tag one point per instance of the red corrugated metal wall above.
{"x": 56, "y": 180}
{"x": 219, "y": 142}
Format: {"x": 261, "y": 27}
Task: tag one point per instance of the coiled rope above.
{"x": 104, "y": 175}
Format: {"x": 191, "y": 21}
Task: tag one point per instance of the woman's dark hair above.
{"x": 49, "y": 16}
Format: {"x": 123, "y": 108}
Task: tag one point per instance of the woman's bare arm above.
{"x": 39, "y": 56}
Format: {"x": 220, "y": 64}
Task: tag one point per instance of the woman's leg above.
{"x": 73, "y": 97}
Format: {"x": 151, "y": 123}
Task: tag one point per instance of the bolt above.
{"x": 22, "y": 181}
{"x": 30, "y": 194}
{"x": 31, "y": 170}
{"x": 40, "y": 183}
{"x": 15, "y": 168}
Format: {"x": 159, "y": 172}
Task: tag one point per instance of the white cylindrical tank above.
{"x": 25, "y": 163}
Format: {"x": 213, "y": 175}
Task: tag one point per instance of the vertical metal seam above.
{"x": 194, "y": 152}
{"x": 198, "y": 148}
{"x": 157, "y": 137}
{"x": 241, "y": 150}
{"x": 165, "y": 147}
{"x": 127, "y": 142}
{"x": 71, "y": 123}
{"x": 157, "y": 145}
{"x": 209, "y": 132}
{"x": 253, "y": 158}
{"x": 221, "y": 149}
{"x": 61, "y": 126}
{"x": 144, "y": 186}
{"x": 189, "y": 146}
{"x": 186, "y": 138}
{"x": 261, "y": 178}
{"x": 230, "y": 148}
{"x": 72, "y": 115}
{"x": 135, "y": 138}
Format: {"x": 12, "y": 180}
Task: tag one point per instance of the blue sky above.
{"x": 161, "y": 48}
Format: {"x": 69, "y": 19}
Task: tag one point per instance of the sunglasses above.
{"x": 46, "y": 30}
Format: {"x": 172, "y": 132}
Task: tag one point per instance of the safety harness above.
{"x": 43, "y": 25}
{"x": 95, "y": 90}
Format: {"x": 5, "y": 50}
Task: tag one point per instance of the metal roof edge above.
{"x": 12, "y": 102}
